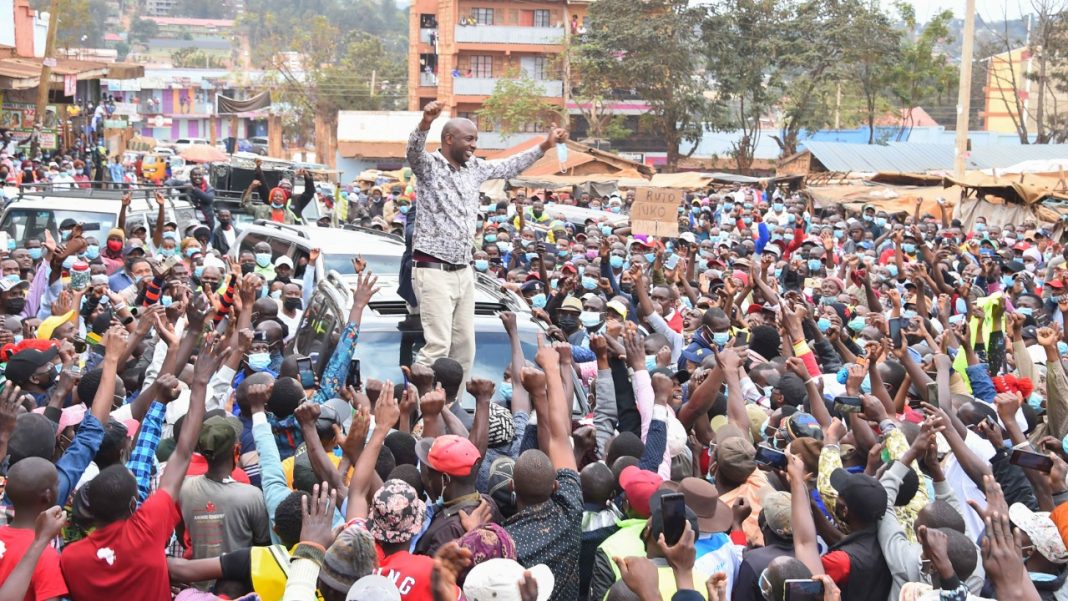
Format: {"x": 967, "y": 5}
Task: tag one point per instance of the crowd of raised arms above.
{"x": 784, "y": 402}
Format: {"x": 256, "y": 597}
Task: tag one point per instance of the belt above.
{"x": 439, "y": 266}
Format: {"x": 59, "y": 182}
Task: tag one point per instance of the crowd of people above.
{"x": 784, "y": 402}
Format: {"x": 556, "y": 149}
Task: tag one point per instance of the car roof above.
{"x": 489, "y": 299}
{"x": 329, "y": 239}
{"x": 83, "y": 201}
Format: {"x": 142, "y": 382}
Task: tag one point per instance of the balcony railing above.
{"x": 480, "y": 86}
{"x": 506, "y": 34}
{"x": 428, "y": 80}
{"x": 426, "y": 33}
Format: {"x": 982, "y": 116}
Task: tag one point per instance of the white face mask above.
{"x": 1030, "y": 267}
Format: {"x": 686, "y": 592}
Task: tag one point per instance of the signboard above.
{"x": 19, "y": 118}
{"x": 655, "y": 212}
{"x": 70, "y": 85}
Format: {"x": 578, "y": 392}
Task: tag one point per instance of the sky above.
{"x": 991, "y": 10}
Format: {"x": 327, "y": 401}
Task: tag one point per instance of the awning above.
{"x": 1005, "y": 188}
{"x": 22, "y": 73}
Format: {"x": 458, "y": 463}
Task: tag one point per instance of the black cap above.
{"x": 863, "y": 495}
{"x": 67, "y": 223}
{"x": 24, "y": 363}
{"x": 1013, "y": 266}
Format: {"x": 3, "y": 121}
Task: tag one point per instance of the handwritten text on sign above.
{"x": 656, "y": 212}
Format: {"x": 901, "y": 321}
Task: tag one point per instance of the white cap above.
{"x": 498, "y": 580}
{"x": 373, "y": 587}
{"x": 283, "y": 260}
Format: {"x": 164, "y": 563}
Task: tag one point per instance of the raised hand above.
{"x": 387, "y": 411}
{"x": 480, "y": 388}
{"x": 508, "y": 320}
{"x": 478, "y": 516}
{"x": 317, "y": 514}
{"x": 307, "y": 412}
{"x": 49, "y": 523}
{"x": 547, "y": 357}
{"x": 431, "y": 404}
{"x": 432, "y": 111}
{"x": 168, "y": 388}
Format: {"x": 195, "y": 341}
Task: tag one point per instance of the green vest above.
{"x": 627, "y": 542}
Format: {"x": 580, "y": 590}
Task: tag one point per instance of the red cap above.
{"x": 448, "y": 454}
{"x": 639, "y": 486}
{"x": 569, "y": 266}
{"x": 1021, "y": 246}
{"x": 1058, "y": 283}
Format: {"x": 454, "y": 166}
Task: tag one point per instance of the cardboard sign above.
{"x": 655, "y": 212}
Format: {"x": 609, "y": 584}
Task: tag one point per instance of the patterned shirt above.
{"x": 142, "y": 462}
{"x": 448, "y": 197}
{"x": 551, "y": 533}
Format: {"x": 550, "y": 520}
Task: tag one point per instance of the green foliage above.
{"x": 194, "y": 58}
{"x": 123, "y": 50}
{"x": 204, "y": 9}
{"x": 646, "y": 50}
{"x": 82, "y": 23}
{"x": 142, "y": 30}
{"x": 921, "y": 74}
{"x": 517, "y": 103}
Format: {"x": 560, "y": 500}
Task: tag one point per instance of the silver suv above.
{"x": 338, "y": 247}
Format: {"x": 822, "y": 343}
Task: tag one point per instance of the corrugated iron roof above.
{"x": 906, "y": 157}
{"x": 997, "y": 157}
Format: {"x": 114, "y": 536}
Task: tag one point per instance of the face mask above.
{"x": 589, "y": 283}
{"x": 277, "y": 205}
{"x": 856, "y": 324}
{"x": 263, "y": 259}
{"x": 259, "y": 361}
{"x": 166, "y": 301}
{"x": 1006, "y": 281}
{"x": 908, "y": 314}
{"x": 615, "y": 261}
{"x": 68, "y": 263}
{"x": 490, "y": 237}
{"x": 526, "y": 243}
{"x": 650, "y": 362}
{"x": 823, "y": 324}
{"x": 721, "y": 338}
{"x": 568, "y": 322}
{"x": 790, "y": 218}
{"x": 1035, "y": 402}
{"x": 168, "y": 252}
{"x": 627, "y": 288}
{"x": 778, "y": 272}
{"x": 14, "y": 306}
{"x": 35, "y": 253}
{"x": 13, "y": 278}
{"x": 1030, "y": 267}
{"x": 114, "y": 245}
{"x": 198, "y": 271}
{"x": 980, "y": 227}
{"x": 815, "y": 264}
{"x": 563, "y": 254}
{"x": 64, "y": 235}
{"x": 1026, "y": 311}
{"x": 880, "y": 221}
{"x": 538, "y": 300}
{"x": 907, "y": 248}
{"x": 192, "y": 250}
{"x": 506, "y": 391}
{"x": 615, "y": 209}
{"x": 276, "y": 295}
{"x": 292, "y": 304}
{"x": 481, "y": 264}
{"x": 531, "y": 256}
{"x": 92, "y": 252}
{"x": 404, "y": 209}
{"x": 778, "y": 207}
{"x": 788, "y": 237}
{"x": 590, "y": 319}
{"x": 591, "y": 254}
{"x": 728, "y": 206}
{"x": 1062, "y": 348}
{"x": 892, "y": 270}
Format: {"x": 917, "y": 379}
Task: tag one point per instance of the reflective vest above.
{"x": 270, "y": 572}
{"x": 627, "y": 542}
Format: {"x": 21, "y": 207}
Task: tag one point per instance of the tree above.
{"x": 1046, "y": 45}
{"x": 921, "y": 74}
{"x": 743, "y": 50}
{"x": 872, "y": 52}
{"x": 204, "y": 9}
{"x": 518, "y": 101}
{"x": 122, "y": 50}
{"x": 194, "y": 58}
{"x": 592, "y": 96}
{"x": 648, "y": 48}
{"x": 143, "y": 30}
{"x": 81, "y": 24}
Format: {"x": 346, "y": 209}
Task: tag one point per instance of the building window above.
{"x": 541, "y": 18}
{"x": 481, "y": 66}
{"x": 428, "y": 21}
{"x": 483, "y": 16}
{"x": 540, "y": 68}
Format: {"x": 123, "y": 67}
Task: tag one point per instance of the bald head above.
{"x": 534, "y": 477}
{"x": 458, "y": 126}
{"x": 32, "y": 484}
{"x": 459, "y": 140}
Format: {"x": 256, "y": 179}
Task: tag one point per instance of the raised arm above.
{"x": 804, "y": 527}
{"x": 482, "y": 390}
{"x": 559, "y": 415}
{"x": 47, "y": 526}
{"x": 520, "y": 398}
{"x": 157, "y": 233}
{"x": 387, "y": 412}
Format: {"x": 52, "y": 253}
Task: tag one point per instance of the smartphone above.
{"x": 770, "y": 456}
{"x": 848, "y": 404}
{"x": 932, "y": 393}
{"x": 741, "y": 338}
{"x": 673, "y": 510}
{"x": 304, "y": 369}
{"x": 812, "y": 283}
{"x": 895, "y": 331}
{"x": 1031, "y": 461}
{"x": 804, "y": 590}
{"x": 354, "y": 378}
{"x": 671, "y": 262}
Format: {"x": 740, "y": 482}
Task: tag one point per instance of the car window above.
{"x": 24, "y": 224}
{"x": 316, "y": 326}
{"x": 279, "y": 247}
{"x": 379, "y": 264}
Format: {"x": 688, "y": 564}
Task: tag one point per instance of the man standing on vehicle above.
{"x": 223, "y": 236}
{"x": 448, "y": 182}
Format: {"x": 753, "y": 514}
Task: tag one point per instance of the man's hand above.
{"x": 114, "y": 343}
{"x": 478, "y": 516}
{"x": 127, "y": 198}
{"x": 854, "y": 377}
{"x": 209, "y": 358}
{"x": 547, "y": 357}
{"x": 873, "y": 408}
{"x": 49, "y": 523}
{"x": 307, "y": 412}
{"x": 682, "y": 554}
{"x": 168, "y": 388}
{"x": 365, "y": 289}
{"x": 161, "y": 200}
{"x": 635, "y": 352}
{"x": 317, "y": 515}
{"x": 534, "y": 381}
{"x": 1047, "y": 337}
{"x": 9, "y": 407}
{"x": 663, "y": 388}
{"x": 717, "y": 587}
{"x": 449, "y": 562}
{"x": 431, "y": 404}
{"x": 508, "y": 320}
{"x": 480, "y": 388}
{"x": 640, "y": 576}
{"x": 258, "y": 395}
{"x": 555, "y": 136}
{"x": 431, "y": 112}
{"x": 599, "y": 346}
{"x": 387, "y": 411}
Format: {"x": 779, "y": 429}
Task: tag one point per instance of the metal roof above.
{"x": 909, "y": 157}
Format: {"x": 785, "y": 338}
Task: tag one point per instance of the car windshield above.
{"x": 380, "y": 355}
{"x": 379, "y": 264}
{"x": 25, "y": 224}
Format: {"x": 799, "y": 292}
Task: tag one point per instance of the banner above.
{"x": 70, "y": 85}
{"x": 18, "y": 117}
{"x": 229, "y": 106}
{"x": 655, "y": 212}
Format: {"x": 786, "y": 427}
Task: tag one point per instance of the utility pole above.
{"x": 837, "y": 105}
{"x": 964, "y": 94}
{"x": 374, "y": 76}
{"x": 45, "y": 82}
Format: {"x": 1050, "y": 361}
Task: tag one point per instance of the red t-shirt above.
{"x": 198, "y": 466}
{"x": 410, "y": 574}
{"x": 126, "y": 556}
{"x": 47, "y": 581}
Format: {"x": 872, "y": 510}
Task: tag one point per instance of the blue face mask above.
{"x": 615, "y": 261}
{"x": 839, "y": 234}
{"x": 778, "y": 272}
{"x": 490, "y": 237}
{"x": 1062, "y": 348}
{"x": 815, "y": 264}
{"x": 68, "y": 262}
{"x": 589, "y": 283}
{"x": 788, "y": 237}
{"x": 198, "y": 271}
{"x": 590, "y": 319}
{"x": 721, "y": 338}
{"x": 64, "y": 235}
{"x": 1028, "y": 311}
{"x": 166, "y": 301}
{"x": 606, "y": 230}
{"x": 192, "y": 250}
{"x": 404, "y": 209}
{"x": 980, "y": 227}
{"x": 908, "y": 248}
{"x": 35, "y": 253}
{"x": 1035, "y": 402}
{"x": 615, "y": 209}
{"x": 481, "y": 264}
{"x": 869, "y": 218}
{"x": 10, "y": 244}
{"x": 823, "y": 324}
{"x": 747, "y": 220}
{"x": 1006, "y": 281}
{"x": 13, "y": 278}
{"x": 880, "y": 221}
{"x": 790, "y": 218}
{"x": 506, "y": 391}
{"x": 908, "y": 314}
{"x": 650, "y": 362}
{"x": 531, "y": 256}
{"x": 856, "y": 324}
{"x": 168, "y": 252}
{"x": 538, "y": 301}
{"x": 650, "y": 257}
{"x": 263, "y": 259}
{"x": 92, "y": 252}
{"x": 259, "y": 361}
{"x": 892, "y": 269}
{"x": 728, "y": 207}
{"x": 777, "y": 207}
